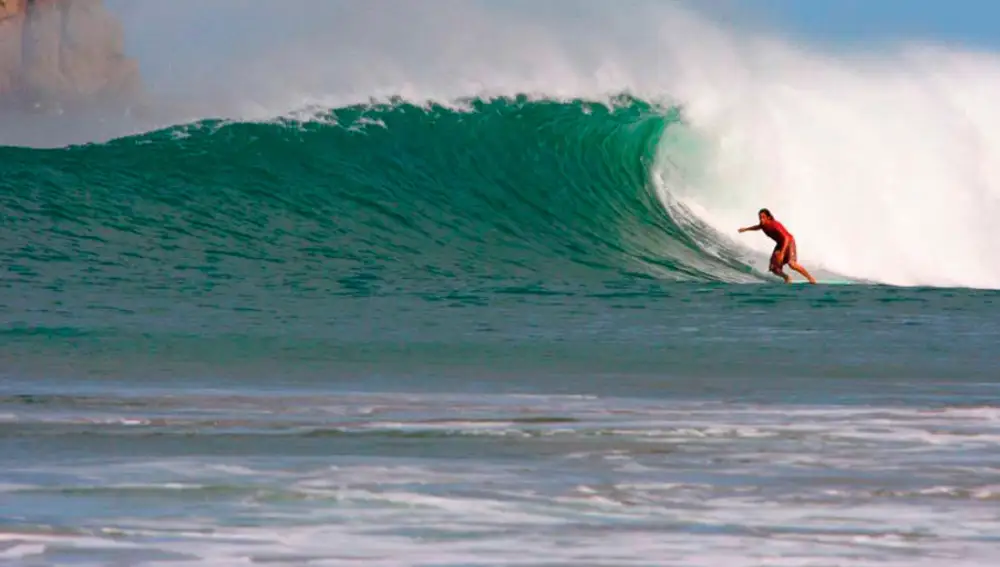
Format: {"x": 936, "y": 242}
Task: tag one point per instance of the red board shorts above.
{"x": 791, "y": 256}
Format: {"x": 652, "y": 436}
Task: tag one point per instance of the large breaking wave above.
{"x": 511, "y": 149}
{"x": 505, "y": 192}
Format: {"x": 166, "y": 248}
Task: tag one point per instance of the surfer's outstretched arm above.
{"x": 749, "y": 228}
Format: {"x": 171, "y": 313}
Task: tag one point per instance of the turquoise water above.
{"x": 400, "y": 335}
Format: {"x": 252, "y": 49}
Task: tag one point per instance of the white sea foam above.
{"x": 883, "y": 166}
{"x": 686, "y": 483}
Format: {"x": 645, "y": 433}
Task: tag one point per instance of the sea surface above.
{"x": 473, "y": 335}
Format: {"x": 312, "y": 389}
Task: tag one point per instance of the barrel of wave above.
{"x": 686, "y": 178}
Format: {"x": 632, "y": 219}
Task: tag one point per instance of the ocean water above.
{"x": 505, "y": 331}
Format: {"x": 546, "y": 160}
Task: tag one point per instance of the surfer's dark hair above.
{"x": 766, "y": 212}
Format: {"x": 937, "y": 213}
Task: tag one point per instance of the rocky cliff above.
{"x": 62, "y": 53}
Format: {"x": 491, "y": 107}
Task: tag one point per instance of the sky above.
{"x": 973, "y": 23}
{"x": 181, "y": 44}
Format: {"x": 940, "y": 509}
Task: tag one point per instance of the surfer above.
{"x": 784, "y": 249}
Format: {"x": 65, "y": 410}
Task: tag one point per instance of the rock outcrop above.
{"x": 63, "y": 53}
{"x": 12, "y": 15}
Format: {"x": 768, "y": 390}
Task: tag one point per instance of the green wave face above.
{"x": 390, "y": 198}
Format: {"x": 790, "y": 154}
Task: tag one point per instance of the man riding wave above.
{"x": 784, "y": 249}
